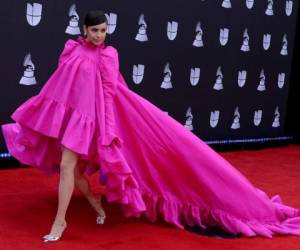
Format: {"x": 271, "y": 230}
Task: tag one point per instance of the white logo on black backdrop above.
{"x": 284, "y": 49}
{"x": 138, "y": 73}
{"x": 276, "y": 122}
{"x": 288, "y": 8}
{"x": 219, "y": 79}
{"x": 189, "y": 119}
{"x": 73, "y": 28}
{"x": 34, "y": 13}
{"x": 262, "y": 81}
{"x": 28, "y": 76}
{"x": 267, "y": 41}
{"x": 257, "y": 117}
{"x": 242, "y": 78}
{"x": 111, "y": 22}
{"x": 224, "y": 35}
{"x": 142, "y": 36}
{"x": 172, "y": 29}
{"x": 214, "y": 118}
{"x": 236, "y": 119}
{"x": 195, "y": 76}
{"x": 269, "y": 10}
{"x": 226, "y": 4}
{"x": 249, "y": 4}
{"x": 281, "y": 80}
{"x": 245, "y": 46}
{"x": 198, "y": 41}
{"x": 167, "y": 83}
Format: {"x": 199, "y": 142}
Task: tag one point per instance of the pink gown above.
{"x": 153, "y": 164}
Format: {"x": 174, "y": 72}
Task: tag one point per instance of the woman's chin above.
{"x": 97, "y": 43}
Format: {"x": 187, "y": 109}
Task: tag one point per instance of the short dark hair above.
{"x": 94, "y": 17}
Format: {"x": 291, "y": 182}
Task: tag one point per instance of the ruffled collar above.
{"x": 89, "y": 44}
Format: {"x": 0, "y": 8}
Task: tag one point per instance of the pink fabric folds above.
{"x": 154, "y": 166}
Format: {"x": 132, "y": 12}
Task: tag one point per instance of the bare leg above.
{"x": 82, "y": 184}
{"x": 66, "y": 187}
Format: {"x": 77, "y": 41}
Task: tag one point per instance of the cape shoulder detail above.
{"x": 69, "y": 47}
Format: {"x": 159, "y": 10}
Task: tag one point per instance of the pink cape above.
{"x": 153, "y": 164}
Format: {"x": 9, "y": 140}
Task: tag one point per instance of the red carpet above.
{"x": 28, "y": 205}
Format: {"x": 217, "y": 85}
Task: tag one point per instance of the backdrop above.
{"x": 221, "y": 68}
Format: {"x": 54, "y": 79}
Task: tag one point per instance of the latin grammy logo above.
{"x": 34, "y": 13}
{"x": 189, "y": 119}
{"x": 198, "y": 41}
{"x": 138, "y": 73}
{"x": 167, "y": 84}
{"x": 172, "y": 29}
{"x": 73, "y": 28}
{"x": 111, "y": 22}
{"x": 194, "y": 76}
{"x": 28, "y": 76}
{"x": 142, "y": 36}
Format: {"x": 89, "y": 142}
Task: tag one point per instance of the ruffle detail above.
{"x": 53, "y": 119}
{"x": 121, "y": 186}
{"x": 43, "y": 124}
{"x": 89, "y": 44}
{"x": 180, "y": 215}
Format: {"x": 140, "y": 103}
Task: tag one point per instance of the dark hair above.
{"x": 94, "y": 17}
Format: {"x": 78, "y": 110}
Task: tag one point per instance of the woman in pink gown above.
{"x": 86, "y": 119}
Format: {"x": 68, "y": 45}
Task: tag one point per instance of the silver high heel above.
{"x": 100, "y": 216}
{"x": 51, "y": 238}
{"x": 100, "y": 219}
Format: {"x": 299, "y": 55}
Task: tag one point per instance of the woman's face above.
{"x": 96, "y": 34}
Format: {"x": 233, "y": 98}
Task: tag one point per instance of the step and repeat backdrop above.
{"x": 219, "y": 67}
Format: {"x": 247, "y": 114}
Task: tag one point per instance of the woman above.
{"x": 85, "y": 119}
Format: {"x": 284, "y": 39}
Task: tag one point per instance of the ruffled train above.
{"x": 36, "y": 142}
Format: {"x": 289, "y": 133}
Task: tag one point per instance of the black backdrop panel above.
{"x": 218, "y": 106}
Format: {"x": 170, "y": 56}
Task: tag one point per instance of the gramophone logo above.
{"x": 111, "y": 22}
{"x": 249, "y": 4}
{"x": 262, "y": 81}
{"x": 226, "y": 4}
{"x": 28, "y": 76}
{"x": 195, "y": 76}
{"x": 269, "y": 10}
{"x": 267, "y": 41}
{"x": 142, "y": 36}
{"x": 138, "y": 73}
{"x": 198, "y": 42}
{"x": 34, "y": 13}
{"x": 284, "y": 49}
{"x": 189, "y": 119}
{"x": 224, "y": 35}
{"x": 245, "y": 46}
{"x": 236, "y": 119}
{"x": 73, "y": 28}
{"x": 214, "y": 118}
{"x": 167, "y": 84}
{"x": 276, "y": 121}
{"x": 288, "y": 7}
{"x": 242, "y": 78}
{"x": 281, "y": 80}
{"x": 257, "y": 117}
{"x": 219, "y": 79}
{"x": 172, "y": 29}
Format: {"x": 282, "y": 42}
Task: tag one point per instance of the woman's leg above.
{"x": 82, "y": 184}
{"x": 66, "y": 187}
